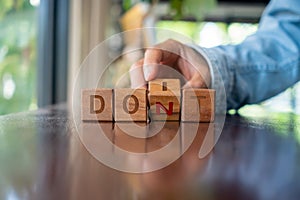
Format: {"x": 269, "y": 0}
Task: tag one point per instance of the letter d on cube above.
{"x": 96, "y": 105}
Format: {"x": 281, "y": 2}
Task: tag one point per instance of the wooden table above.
{"x": 42, "y": 157}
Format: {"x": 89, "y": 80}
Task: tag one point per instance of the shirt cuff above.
{"x": 221, "y": 76}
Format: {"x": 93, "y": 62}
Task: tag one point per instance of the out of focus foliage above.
{"x": 18, "y": 33}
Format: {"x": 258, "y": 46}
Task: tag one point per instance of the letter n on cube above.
{"x": 164, "y": 99}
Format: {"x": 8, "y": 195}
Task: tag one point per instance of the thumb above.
{"x": 195, "y": 82}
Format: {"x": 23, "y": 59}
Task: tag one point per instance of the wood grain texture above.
{"x": 43, "y": 157}
{"x": 130, "y": 104}
{"x": 198, "y": 105}
{"x": 164, "y": 99}
{"x": 205, "y": 137}
{"x": 131, "y": 136}
{"x": 96, "y": 105}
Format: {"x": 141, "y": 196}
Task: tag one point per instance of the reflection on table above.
{"x": 42, "y": 157}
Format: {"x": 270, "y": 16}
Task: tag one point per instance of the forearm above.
{"x": 266, "y": 63}
{"x": 250, "y": 83}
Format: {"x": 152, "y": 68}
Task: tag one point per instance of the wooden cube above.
{"x": 96, "y": 105}
{"x": 164, "y": 99}
{"x": 130, "y": 104}
{"x": 198, "y": 105}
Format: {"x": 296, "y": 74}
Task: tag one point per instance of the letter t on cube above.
{"x": 164, "y": 98}
{"x": 198, "y": 105}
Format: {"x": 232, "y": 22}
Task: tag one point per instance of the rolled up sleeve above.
{"x": 265, "y": 64}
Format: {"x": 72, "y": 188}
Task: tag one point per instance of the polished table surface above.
{"x": 42, "y": 157}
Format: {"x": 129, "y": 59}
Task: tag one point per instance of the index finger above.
{"x": 153, "y": 57}
{"x": 137, "y": 76}
{"x": 164, "y": 53}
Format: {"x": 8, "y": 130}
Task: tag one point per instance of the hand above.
{"x": 190, "y": 64}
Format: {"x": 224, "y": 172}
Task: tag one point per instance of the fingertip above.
{"x": 147, "y": 72}
{"x": 150, "y": 72}
{"x": 136, "y": 75}
{"x": 194, "y": 84}
{"x": 144, "y": 87}
{"x": 186, "y": 85}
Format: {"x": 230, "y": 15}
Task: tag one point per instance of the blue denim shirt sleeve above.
{"x": 265, "y": 64}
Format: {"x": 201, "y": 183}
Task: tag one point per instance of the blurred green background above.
{"x": 18, "y": 38}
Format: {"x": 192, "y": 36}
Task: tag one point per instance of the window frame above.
{"x": 52, "y": 48}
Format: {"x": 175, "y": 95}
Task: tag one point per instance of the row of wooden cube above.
{"x": 163, "y": 98}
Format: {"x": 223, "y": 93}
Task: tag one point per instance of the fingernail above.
{"x": 186, "y": 85}
{"x": 147, "y": 72}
